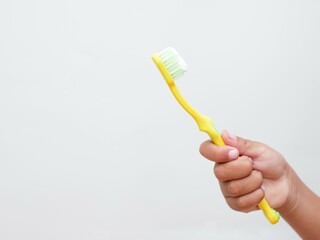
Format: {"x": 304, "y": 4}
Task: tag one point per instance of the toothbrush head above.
{"x": 170, "y": 64}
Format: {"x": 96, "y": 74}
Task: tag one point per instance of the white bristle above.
{"x": 174, "y": 63}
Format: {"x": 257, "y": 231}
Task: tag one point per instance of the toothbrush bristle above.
{"x": 173, "y": 62}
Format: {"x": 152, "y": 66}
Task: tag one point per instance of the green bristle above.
{"x": 173, "y": 62}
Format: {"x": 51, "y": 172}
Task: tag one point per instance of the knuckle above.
{"x": 233, "y": 188}
{"x": 241, "y": 203}
{"x": 246, "y": 143}
{"x": 230, "y": 202}
{"x": 219, "y": 172}
{"x": 202, "y": 148}
{"x": 260, "y": 195}
{"x": 247, "y": 163}
{"x": 257, "y": 177}
{"x": 261, "y": 147}
{"x": 236, "y": 204}
{"x": 246, "y": 210}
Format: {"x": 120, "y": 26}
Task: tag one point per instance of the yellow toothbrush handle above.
{"x": 272, "y": 215}
{"x": 205, "y": 125}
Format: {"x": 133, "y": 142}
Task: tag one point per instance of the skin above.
{"x": 248, "y": 171}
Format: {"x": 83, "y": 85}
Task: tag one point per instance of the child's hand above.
{"x": 249, "y": 171}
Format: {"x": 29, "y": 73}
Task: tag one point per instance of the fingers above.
{"x": 246, "y": 203}
{"x": 240, "y": 187}
{"x": 235, "y": 147}
{"x": 233, "y": 170}
{"x": 246, "y": 147}
{"x": 240, "y": 184}
{"x": 218, "y": 154}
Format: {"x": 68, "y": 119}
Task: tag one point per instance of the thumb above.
{"x": 245, "y": 147}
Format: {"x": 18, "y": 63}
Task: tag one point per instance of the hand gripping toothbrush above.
{"x": 172, "y": 66}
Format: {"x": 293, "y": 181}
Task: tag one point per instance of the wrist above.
{"x": 301, "y": 210}
{"x": 295, "y": 186}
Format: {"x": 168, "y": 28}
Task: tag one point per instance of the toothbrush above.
{"x": 172, "y": 66}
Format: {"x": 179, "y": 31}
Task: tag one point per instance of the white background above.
{"x": 93, "y": 145}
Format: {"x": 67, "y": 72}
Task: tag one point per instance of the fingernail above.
{"x": 231, "y": 136}
{"x": 263, "y": 187}
{"x": 233, "y": 154}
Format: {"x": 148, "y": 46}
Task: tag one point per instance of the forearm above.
{"x": 302, "y": 211}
